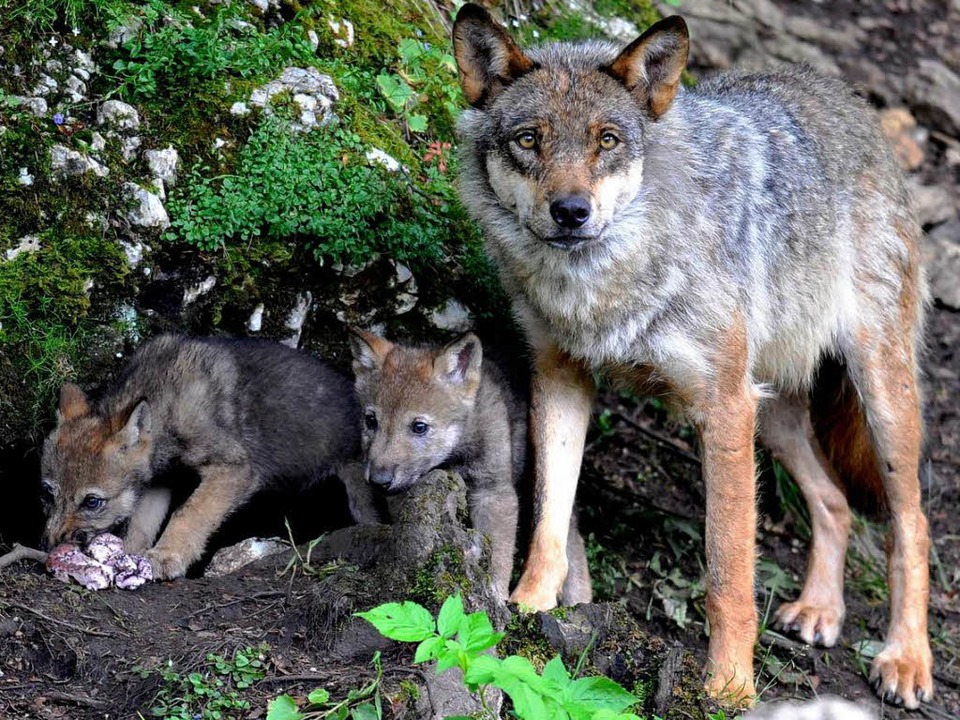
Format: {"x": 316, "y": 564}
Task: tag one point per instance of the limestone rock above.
{"x": 933, "y": 91}
{"x": 64, "y": 161}
{"x": 822, "y": 708}
{"x": 28, "y": 244}
{"x": 148, "y": 211}
{"x": 934, "y": 203}
{"x": 119, "y": 115}
{"x": 163, "y": 164}
{"x": 452, "y": 316}
{"x": 232, "y": 558}
{"x": 941, "y": 257}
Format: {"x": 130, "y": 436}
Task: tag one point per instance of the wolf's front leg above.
{"x": 222, "y": 489}
{"x": 494, "y": 512}
{"x": 147, "y": 519}
{"x": 363, "y": 509}
{"x": 561, "y": 395}
{"x": 727, "y": 423}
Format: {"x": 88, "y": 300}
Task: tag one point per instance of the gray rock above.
{"x": 296, "y": 318}
{"x": 934, "y": 203}
{"x": 148, "y": 211}
{"x": 119, "y": 115}
{"x": 933, "y": 92}
{"x": 35, "y": 105}
{"x": 76, "y": 89}
{"x": 822, "y": 708}
{"x": 27, "y": 245}
{"x": 452, "y": 316}
{"x": 133, "y": 251}
{"x": 232, "y": 558}
{"x": 191, "y": 293}
{"x": 25, "y": 178}
{"x": 129, "y": 147}
{"x": 64, "y": 161}
{"x": 313, "y": 91}
{"x": 255, "y": 321}
{"x": 941, "y": 257}
{"x": 163, "y": 164}
{"x": 446, "y": 696}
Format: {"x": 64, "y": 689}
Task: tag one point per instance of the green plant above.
{"x": 458, "y": 639}
{"x": 211, "y": 694}
{"x": 318, "y": 186}
{"x": 364, "y": 703}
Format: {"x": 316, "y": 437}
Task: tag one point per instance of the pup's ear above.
{"x": 137, "y": 426}
{"x": 650, "y": 66}
{"x": 487, "y": 57}
{"x": 73, "y": 403}
{"x": 459, "y": 363}
{"x": 369, "y": 350}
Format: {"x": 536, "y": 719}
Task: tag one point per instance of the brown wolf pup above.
{"x": 424, "y": 408}
{"x": 243, "y": 413}
{"x": 746, "y": 248}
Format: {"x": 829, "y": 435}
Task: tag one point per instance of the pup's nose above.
{"x": 381, "y": 476}
{"x": 80, "y": 537}
{"x": 571, "y": 211}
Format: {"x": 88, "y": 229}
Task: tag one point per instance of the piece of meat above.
{"x": 101, "y": 564}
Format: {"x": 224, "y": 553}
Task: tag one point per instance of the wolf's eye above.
{"x": 92, "y": 502}
{"x": 370, "y": 420}
{"x": 418, "y": 427}
{"x": 608, "y": 141}
{"x": 527, "y": 140}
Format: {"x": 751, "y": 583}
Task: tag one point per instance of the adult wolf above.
{"x": 748, "y": 250}
{"x": 244, "y": 414}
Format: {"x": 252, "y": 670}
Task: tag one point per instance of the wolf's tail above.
{"x": 842, "y": 430}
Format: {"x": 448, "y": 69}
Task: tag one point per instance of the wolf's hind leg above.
{"x": 222, "y": 489}
{"x": 786, "y": 430}
{"x": 883, "y": 368}
{"x": 494, "y": 512}
{"x": 577, "y": 588}
{"x": 146, "y": 521}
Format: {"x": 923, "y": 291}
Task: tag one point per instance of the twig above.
{"x": 76, "y": 700}
{"x": 256, "y": 596}
{"x": 665, "y": 441}
{"x": 294, "y": 678}
{"x": 20, "y": 552}
{"x": 64, "y": 623}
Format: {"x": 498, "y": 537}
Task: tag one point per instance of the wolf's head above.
{"x": 93, "y": 468}
{"x": 416, "y": 404}
{"x": 564, "y": 126}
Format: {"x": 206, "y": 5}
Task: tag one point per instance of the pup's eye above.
{"x": 92, "y": 502}
{"x": 527, "y": 140}
{"x": 608, "y": 141}
{"x": 418, "y": 427}
{"x": 370, "y": 420}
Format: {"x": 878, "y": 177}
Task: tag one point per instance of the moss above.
{"x": 523, "y": 636}
{"x": 641, "y": 13}
{"x": 441, "y": 576}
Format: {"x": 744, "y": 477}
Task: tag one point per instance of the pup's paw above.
{"x": 731, "y": 686}
{"x": 902, "y": 674}
{"x": 817, "y": 623}
{"x": 166, "y": 564}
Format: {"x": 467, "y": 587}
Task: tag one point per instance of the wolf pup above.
{"x": 424, "y": 408}
{"x": 723, "y": 246}
{"x": 243, "y": 413}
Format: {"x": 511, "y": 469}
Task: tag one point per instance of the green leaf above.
{"x": 283, "y": 708}
{"x": 417, "y": 123}
{"x": 476, "y": 633}
{"x": 409, "y": 50}
{"x": 318, "y": 697}
{"x": 406, "y": 621}
{"x": 482, "y": 670}
{"x": 364, "y": 712}
{"x": 395, "y": 90}
{"x": 450, "y": 656}
{"x": 597, "y": 693}
{"x": 555, "y": 672}
{"x": 429, "y": 649}
{"x": 451, "y": 614}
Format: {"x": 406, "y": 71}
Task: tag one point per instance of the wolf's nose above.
{"x": 381, "y": 476}
{"x": 570, "y": 212}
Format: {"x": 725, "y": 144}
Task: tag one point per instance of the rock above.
{"x": 124, "y": 33}
{"x": 25, "y": 178}
{"x": 255, "y": 322}
{"x": 76, "y": 89}
{"x": 129, "y": 147}
{"x": 118, "y": 115}
{"x": 232, "y": 558}
{"x": 240, "y": 109}
{"x": 379, "y": 157}
{"x": 315, "y": 92}
{"x": 64, "y": 161}
{"x": 934, "y": 203}
{"x": 406, "y": 299}
{"x": 191, "y": 293}
{"x": 933, "y": 92}
{"x": 35, "y": 105}
{"x": 28, "y": 244}
{"x": 296, "y": 318}
{"x": 822, "y": 708}
{"x": 941, "y": 257}
{"x": 163, "y": 164}
{"x": 343, "y": 30}
{"x": 447, "y": 697}
{"x": 97, "y": 142}
{"x": 149, "y": 211}
{"x": 452, "y": 316}
{"x": 133, "y": 251}
{"x": 45, "y": 86}
{"x": 899, "y": 127}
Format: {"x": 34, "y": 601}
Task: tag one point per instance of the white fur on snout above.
{"x": 614, "y": 192}
{"x": 515, "y": 192}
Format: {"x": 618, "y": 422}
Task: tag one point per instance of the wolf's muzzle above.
{"x": 571, "y": 211}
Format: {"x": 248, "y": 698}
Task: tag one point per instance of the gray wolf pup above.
{"x": 243, "y": 413}
{"x": 427, "y": 407}
{"x": 724, "y": 247}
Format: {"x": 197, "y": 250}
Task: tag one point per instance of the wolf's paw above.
{"x": 731, "y": 686}
{"x": 815, "y": 623}
{"x": 166, "y": 564}
{"x": 902, "y": 674}
{"x": 531, "y": 597}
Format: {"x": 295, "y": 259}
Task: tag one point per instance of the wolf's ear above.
{"x": 651, "y": 65}
{"x": 487, "y": 57}
{"x": 459, "y": 363}
{"x": 369, "y": 350}
{"x": 137, "y": 427}
{"x": 73, "y": 403}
